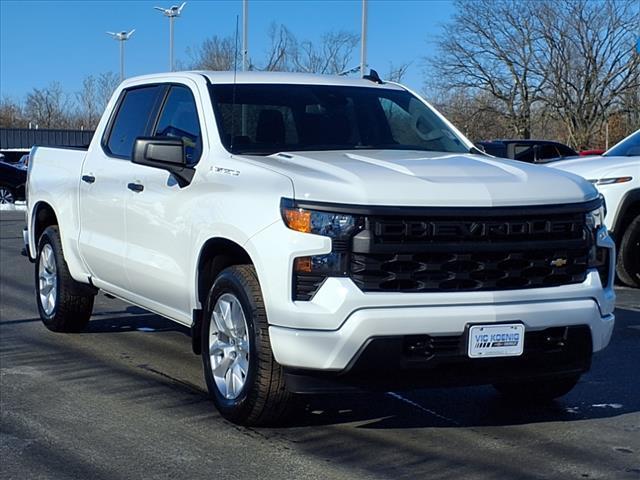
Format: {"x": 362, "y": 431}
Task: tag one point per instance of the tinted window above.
{"x": 547, "y": 151}
{"x": 132, "y": 119}
{"x": 265, "y": 119}
{"x": 179, "y": 118}
{"x": 524, "y": 153}
{"x": 629, "y": 147}
{"x": 566, "y": 151}
{"x": 495, "y": 149}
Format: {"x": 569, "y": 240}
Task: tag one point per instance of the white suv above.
{"x": 616, "y": 174}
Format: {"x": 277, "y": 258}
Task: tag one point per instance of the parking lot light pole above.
{"x": 363, "y": 40}
{"x": 121, "y": 37}
{"x": 171, "y": 13}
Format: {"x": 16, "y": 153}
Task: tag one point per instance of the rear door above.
{"x": 103, "y": 189}
{"x": 158, "y": 214}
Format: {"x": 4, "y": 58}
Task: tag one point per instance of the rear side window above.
{"x": 179, "y": 118}
{"x": 132, "y": 120}
{"x": 566, "y": 151}
{"x": 548, "y": 151}
{"x": 524, "y": 153}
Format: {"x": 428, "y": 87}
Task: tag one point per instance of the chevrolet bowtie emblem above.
{"x": 559, "y": 262}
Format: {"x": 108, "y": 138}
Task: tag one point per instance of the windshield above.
{"x": 629, "y": 147}
{"x": 271, "y": 118}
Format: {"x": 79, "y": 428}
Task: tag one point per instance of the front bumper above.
{"x": 328, "y": 332}
{"x": 336, "y": 349}
{"x": 396, "y": 363}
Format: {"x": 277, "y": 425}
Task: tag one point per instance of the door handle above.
{"x": 135, "y": 187}
{"x": 88, "y": 178}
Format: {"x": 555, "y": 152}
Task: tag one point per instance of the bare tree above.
{"x": 281, "y": 44}
{"x": 490, "y": 47}
{"x": 215, "y": 53}
{"x": 106, "y": 84}
{"x": 331, "y": 55}
{"x": 11, "y": 113}
{"x": 88, "y": 103}
{"x": 48, "y": 107}
{"x": 592, "y": 69}
{"x": 479, "y": 116}
{"x": 397, "y": 72}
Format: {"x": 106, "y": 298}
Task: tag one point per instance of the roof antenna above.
{"x": 373, "y": 76}
{"x": 233, "y": 95}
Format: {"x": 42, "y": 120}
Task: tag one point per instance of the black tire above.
{"x": 73, "y": 300}
{"x": 7, "y": 195}
{"x": 537, "y": 391}
{"x": 628, "y": 264}
{"x": 264, "y": 399}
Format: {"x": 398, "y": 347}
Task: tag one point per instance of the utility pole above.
{"x": 171, "y": 13}
{"x": 121, "y": 37}
{"x": 363, "y": 39}
{"x": 245, "y": 35}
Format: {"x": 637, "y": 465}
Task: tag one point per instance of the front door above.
{"x": 158, "y": 256}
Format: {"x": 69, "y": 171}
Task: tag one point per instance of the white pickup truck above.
{"x": 321, "y": 233}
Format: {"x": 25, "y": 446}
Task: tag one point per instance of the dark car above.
{"x": 531, "y": 151}
{"x": 12, "y": 180}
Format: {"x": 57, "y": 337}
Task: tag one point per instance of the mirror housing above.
{"x": 166, "y": 153}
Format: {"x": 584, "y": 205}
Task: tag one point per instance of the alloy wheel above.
{"x": 229, "y": 346}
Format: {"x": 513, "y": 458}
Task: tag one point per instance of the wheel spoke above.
{"x": 51, "y": 263}
{"x": 221, "y": 363}
{"x": 46, "y": 288}
{"x": 228, "y": 346}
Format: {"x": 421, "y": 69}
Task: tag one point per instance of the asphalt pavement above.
{"x": 126, "y": 400}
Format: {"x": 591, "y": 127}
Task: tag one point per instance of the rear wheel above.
{"x": 528, "y": 391}
{"x": 64, "y": 304}
{"x": 244, "y": 380}
{"x": 6, "y": 195}
{"x": 628, "y": 265}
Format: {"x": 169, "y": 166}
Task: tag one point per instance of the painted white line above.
{"x": 146, "y": 329}
{"x": 397, "y": 396}
{"x": 607, "y": 405}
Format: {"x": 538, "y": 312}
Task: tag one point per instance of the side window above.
{"x": 179, "y": 118}
{"x": 566, "y": 151}
{"x": 548, "y": 151}
{"x": 132, "y": 119}
{"x": 524, "y": 153}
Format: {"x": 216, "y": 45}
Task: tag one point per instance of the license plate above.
{"x": 503, "y": 340}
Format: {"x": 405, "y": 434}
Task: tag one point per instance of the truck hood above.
{"x": 415, "y": 178}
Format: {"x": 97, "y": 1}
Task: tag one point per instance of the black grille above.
{"x": 469, "y": 253}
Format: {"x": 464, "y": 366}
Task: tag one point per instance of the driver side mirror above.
{"x": 167, "y": 153}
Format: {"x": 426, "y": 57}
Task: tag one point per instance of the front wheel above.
{"x": 528, "y": 391}
{"x": 64, "y": 304}
{"x": 628, "y": 266}
{"x": 245, "y": 382}
{"x": 7, "y": 197}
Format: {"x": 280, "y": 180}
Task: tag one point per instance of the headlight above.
{"x": 611, "y": 181}
{"x": 595, "y": 218}
{"x": 598, "y": 257}
{"x": 339, "y": 226}
{"x": 309, "y": 272}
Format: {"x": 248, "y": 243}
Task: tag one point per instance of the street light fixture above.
{"x": 171, "y": 13}
{"x": 121, "y": 37}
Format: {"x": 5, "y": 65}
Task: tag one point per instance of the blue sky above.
{"x": 64, "y": 41}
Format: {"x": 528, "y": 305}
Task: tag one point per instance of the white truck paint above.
{"x": 147, "y": 247}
